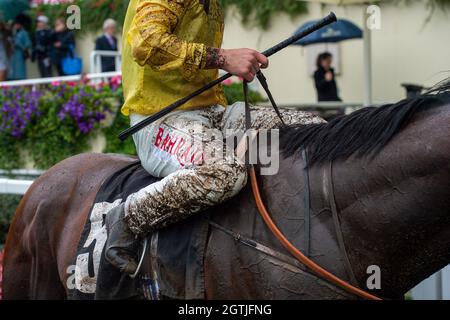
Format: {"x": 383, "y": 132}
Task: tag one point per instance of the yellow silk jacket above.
{"x": 164, "y": 54}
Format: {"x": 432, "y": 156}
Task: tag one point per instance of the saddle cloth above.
{"x": 177, "y": 255}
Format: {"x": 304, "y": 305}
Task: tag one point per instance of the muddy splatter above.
{"x": 191, "y": 187}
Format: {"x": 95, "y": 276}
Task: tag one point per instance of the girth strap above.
{"x": 307, "y": 207}
{"x": 329, "y": 189}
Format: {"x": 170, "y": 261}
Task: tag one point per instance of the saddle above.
{"x": 173, "y": 264}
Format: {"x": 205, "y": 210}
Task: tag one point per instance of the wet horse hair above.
{"x": 363, "y": 133}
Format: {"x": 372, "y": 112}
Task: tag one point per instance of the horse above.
{"x": 388, "y": 168}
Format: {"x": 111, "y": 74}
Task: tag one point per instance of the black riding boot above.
{"x": 122, "y": 244}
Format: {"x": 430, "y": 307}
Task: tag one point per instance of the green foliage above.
{"x": 119, "y": 124}
{"x": 51, "y": 138}
{"x": 94, "y": 12}
{"x": 260, "y": 12}
{"x": 51, "y": 123}
{"x": 433, "y": 4}
{"x": 234, "y": 93}
{"x": 10, "y": 152}
{"x": 443, "y": 4}
{"x": 113, "y": 144}
{"x": 253, "y": 12}
{"x": 8, "y": 205}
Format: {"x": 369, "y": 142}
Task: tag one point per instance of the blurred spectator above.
{"x": 5, "y": 50}
{"x": 325, "y": 79}
{"x": 21, "y": 48}
{"x": 63, "y": 41}
{"x": 108, "y": 42}
{"x": 42, "y": 46}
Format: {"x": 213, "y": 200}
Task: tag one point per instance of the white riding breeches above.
{"x": 186, "y": 149}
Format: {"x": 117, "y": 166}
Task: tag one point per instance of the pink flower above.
{"x": 85, "y": 79}
{"x": 116, "y": 81}
{"x": 228, "y": 82}
{"x": 56, "y": 83}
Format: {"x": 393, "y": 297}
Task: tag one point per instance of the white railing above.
{"x": 39, "y": 81}
{"x": 17, "y": 187}
{"x": 21, "y": 172}
{"x": 96, "y": 56}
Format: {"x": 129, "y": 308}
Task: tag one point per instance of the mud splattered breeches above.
{"x": 187, "y": 150}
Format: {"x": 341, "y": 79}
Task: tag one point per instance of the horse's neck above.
{"x": 395, "y": 210}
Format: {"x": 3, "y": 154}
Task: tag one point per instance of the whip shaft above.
{"x": 275, "y": 49}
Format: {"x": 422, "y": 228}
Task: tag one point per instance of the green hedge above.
{"x": 94, "y": 12}
{"x": 8, "y": 205}
{"x": 254, "y": 12}
{"x": 52, "y": 122}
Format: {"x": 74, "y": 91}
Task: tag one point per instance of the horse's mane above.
{"x": 362, "y": 133}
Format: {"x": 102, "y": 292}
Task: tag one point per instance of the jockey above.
{"x": 171, "y": 48}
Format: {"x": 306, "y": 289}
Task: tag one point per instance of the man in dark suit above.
{"x": 42, "y": 47}
{"x": 108, "y": 42}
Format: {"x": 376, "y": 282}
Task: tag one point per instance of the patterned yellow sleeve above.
{"x": 153, "y": 43}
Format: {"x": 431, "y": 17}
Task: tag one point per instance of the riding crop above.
{"x": 275, "y": 49}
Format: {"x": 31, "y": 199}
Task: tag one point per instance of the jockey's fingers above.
{"x": 255, "y": 67}
{"x": 263, "y": 61}
{"x": 249, "y": 76}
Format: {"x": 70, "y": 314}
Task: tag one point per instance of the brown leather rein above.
{"x": 318, "y": 270}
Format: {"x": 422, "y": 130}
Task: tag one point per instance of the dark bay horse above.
{"x": 391, "y": 176}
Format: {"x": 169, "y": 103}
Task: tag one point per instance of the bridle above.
{"x": 311, "y": 265}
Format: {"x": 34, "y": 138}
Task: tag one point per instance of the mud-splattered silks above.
{"x": 186, "y": 148}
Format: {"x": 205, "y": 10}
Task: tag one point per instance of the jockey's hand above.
{"x": 243, "y": 63}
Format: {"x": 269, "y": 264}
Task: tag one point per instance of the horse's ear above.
{"x": 205, "y": 4}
